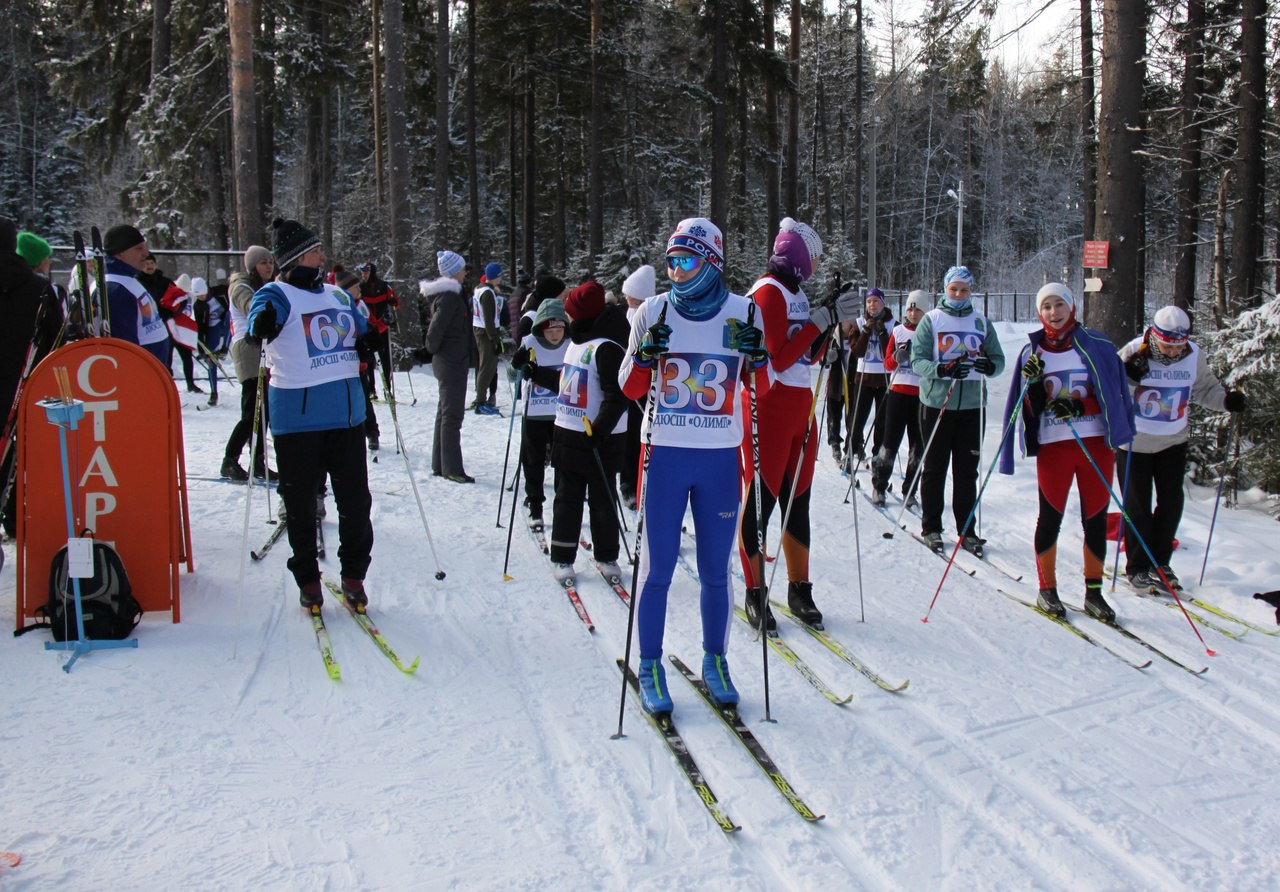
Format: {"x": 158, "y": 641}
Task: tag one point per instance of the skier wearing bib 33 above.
{"x": 692, "y": 345}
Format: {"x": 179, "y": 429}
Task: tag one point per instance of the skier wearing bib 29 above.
{"x": 316, "y": 407}
{"x": 692, "y": 345}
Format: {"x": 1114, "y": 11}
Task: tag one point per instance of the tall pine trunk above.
{"x": 771, "y": 197}
{"x": 249, "y": 212}
{"x": 473, "y": 172}
{"x": 1188, "y": 195}
{"x": 1245, "y": 284}
{"x": 792, "y": 170}
{"x": 595, "y": 226}
{"x": 442, "y": 124}
{"x": 1088, "y": 128}
{"x": 397, "y": 142}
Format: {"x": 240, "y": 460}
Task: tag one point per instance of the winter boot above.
{"x": 655, "y": 699}
{"x": 261, "y": 471}
{"x": 373, "y": 442}
{"x": 715, "y": 673}
{"x": 973, "y": 545}
{"x": 837, "y": 452}
{"x": 1049, "y": 603}
{"x": 800, "y": 600}
{"x": 563, "y": 573}
{"x": 758, "y": 603}
{"x": 353, "y": 591}
{"x": 213, "y": 399}
{"x": 934, "y": 541}
{"x": 460, "y": 478}
{"x": 1169, "y": 575}
{"x": 1094, "y": 604}
{"x": 232, "y": 471}
{"x": 878, "y": 497}
{"x": 310, "y": 596}
{"x": 1145, "y": 581}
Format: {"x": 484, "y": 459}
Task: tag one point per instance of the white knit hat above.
{"x": 1055, "y": 289}
{"x": 199, "y": 286}
{"x": 641, "y": 284}
{"x": 919, "y": 299}
{"x": 700, "y": 236}
{"x": 806, "y": 232}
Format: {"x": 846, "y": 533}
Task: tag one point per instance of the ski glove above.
{"x": 902, "y": 354}
{"x": 1137, "y": 365}
{"x": 655, "y": 342}
{"x": 1033, "y": 368}
{"x": 1234, "y": 401}
{"x": 749, "y": 341}
{"x": 984, "y": 364}
{"x": 840, "y": 307}
{"x": 1065, "y": 407}
{"x": 264, "y": 324}
{"x": 956, "y": 368}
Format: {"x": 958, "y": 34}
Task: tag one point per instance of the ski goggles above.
{"x": 686, "y": 262}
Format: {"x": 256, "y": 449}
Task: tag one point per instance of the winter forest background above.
{"x": 570, "y": 135}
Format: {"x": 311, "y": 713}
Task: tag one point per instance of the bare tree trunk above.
{"x": 559, "y": 219}
{"x": 719, "y": 115}
{"x": 1088, "y": 130}
{"x": 160, "y": 36}
{"x": 792, "y": 171}
{"x": 378, "y": 146}
{"x": 595, "y": 226}
{"x": 266, "y": 77}
{"x": 442, "y": 124}
{"x": 513, "y": 190}
{"x": 1188, "y": 195}
{"x": 244, "y": 125}
{"x": 859, "y": 252}
{"x": 1246, "y": 231}
{"x": 473, "y": 172}
{"x": 1120, "y": 184}
{"x": 771, "y": 129}
{"x": 398, "y": 172}
{"x": 530, "y": 161}
{"x": 1220, "y": 255}
{"x": 316, "y": 182}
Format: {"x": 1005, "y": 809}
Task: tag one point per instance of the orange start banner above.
{"x": 127, "y": 467}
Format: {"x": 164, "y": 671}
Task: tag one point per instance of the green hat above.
{"x": 33, "y": 249}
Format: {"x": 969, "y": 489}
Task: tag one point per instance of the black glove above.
{"x": 655, "y": 342}
{"x": 983, "y": 364}
{"x": 749, "y": 341}
{"x": 264, "y": 324}
{"x": 837, "y": 289}
{"x": 1033, "y": 368}
{"x": 1137, "y": 365}
{"x": 1064, "y": 407}
{"x": 956, "y": 368}
{"x": 1234, "y": 401}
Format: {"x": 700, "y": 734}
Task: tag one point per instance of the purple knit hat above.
{"x": 791, "y": 255}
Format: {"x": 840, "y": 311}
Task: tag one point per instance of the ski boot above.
{"x": 1145, "y": 582}
{"x": 232, "y": 471}
{"x": 373, "y": 443}
{"x": 353, "y": 591}
{"x": 934, "y": 541}
{"x": 1094, "y": 604}
{"x": 715, "y": 674}
{"x": 1049, "y": 603}
{"x": 800, "y": 600}
{"x": 310, "y": 596}
{"x": 1169, "y": 575}
{"x": 563, "y": 573}
{"x": 973, "y": 545}
{"x": 610, "y": 571}
{"x": 655, "y": 699}
{"x": 757, "y": 602}
{"x": 878, "y": 497}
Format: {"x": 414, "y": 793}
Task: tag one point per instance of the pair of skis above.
{"x": 279, "y": 531}
{"x": 362, "y": 619}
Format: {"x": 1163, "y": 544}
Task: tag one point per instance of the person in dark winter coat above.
{"x": 901, "y": 407}
{"x": 246, "y": 355}
{"x": 1075, "y": 388}
{"x": 1167, "y": 371}
{"x": 538, "y": 360}
{"x": 133, "y": 313}
{"x": 384, "y": 308}
{"x": 317, "y": 409}
{"x": 515, "y": 300}
{"x": 485, "y": 320}
{"x": 33, "y": 319}
{"x": 453, "y": 352}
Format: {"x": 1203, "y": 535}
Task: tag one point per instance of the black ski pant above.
{"x": 1163, "y": 470}
{"x": 244, "y": 427}
{"x": 535, "y": 446}
{"x": 835, "y": 404}
{"x": 864, "y": 402}
{"x": 901, "y": 413}
{"x": 578, "y": 480}
{"x": 629, "y": 472}
{"x": 797, "y": 529}
{"x": 446, "y": 443}
{"x": 304, "y": 459}
{"x": 956, "y": 445}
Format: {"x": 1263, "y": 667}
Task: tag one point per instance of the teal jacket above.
{"x": 968, "y": 392}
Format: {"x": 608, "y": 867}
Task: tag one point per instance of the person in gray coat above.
{"x": 453, "y": 353}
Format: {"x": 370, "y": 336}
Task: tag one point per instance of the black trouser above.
{"x": 187, "y": 355}
{"x": 865, "y": 401}
{"x": 956, "y": 445}
{"x": 797, "y": 522}
{"x": 304, "y": 459}
{"x": 535, "y": 446}
{"x": 835, "y": 404}
{"x": 1165, "y": 471}
{"x": 629, "y": 473}
{"x": 901, "y": 414}
{"x": 578, "y": 479}
{"x": 244, "y": 427}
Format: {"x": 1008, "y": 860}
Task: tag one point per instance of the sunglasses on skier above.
{"x": 686, "y": 262}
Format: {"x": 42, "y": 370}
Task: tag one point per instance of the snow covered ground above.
{"x": 218, "y": 755}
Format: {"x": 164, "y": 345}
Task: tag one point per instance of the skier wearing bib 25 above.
{"x": 1075, "y": 388}
{"x": 692, "y": 345}
{"x": 316, "y": 407}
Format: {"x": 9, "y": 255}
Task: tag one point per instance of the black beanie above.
{"x": 121, "y": 238}
{"x": 8, "y": 236}
{"x": 547, "y": 286}
{"x": 291, "y": 240}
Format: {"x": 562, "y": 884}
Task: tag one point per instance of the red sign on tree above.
{"x": 1096, "y": 254}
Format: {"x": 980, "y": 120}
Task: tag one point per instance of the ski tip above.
{"x": 412, "y": 667}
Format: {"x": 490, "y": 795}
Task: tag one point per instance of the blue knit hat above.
{"x": 449, "y": 263}
{"x": 957, "y": 274}
{"x": 492, "y": 271}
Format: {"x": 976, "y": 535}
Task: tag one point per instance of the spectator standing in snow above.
{"x": 384, "y": 307}
{"x": 901, "y": 406}
{"x": 484, "y": 322}
{"x": 1075, "y": 387}
{"x": 1168, "y": 371}
{"x": 636, "y": 289}
{"x": 538, "y": 359}
{"x": 317, "y": 414}
{"x": 869, "y": 382}
{"x": 133, "y": 314}
{"x": 453, "y": 351}
{"x": 695, "y": 344}
{"x": 795, "y": 335}
{"x": 246, "y": 355}
{"x": 952, "y": 342}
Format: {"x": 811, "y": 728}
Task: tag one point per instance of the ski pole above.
{"x": 655, "y": 376}
{"x": 1013, "y": 419}
{"x": 511, "y": 525}
{"x": 1216, "y": 500}
{"x": 511, "y": 424}
{"x": 915, "y": 480}
{"x": 1124, "y": 492}
{"x": 407, "y": 372}
{"x": 607, "y": 481}
{"x": 248, "y": 492}
{"x": 413, "y": 484}
{"x": 1138, "y": 536}
{"x": 756, "y": 484}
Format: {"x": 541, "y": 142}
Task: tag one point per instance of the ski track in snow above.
{"x": 219, "y": 755}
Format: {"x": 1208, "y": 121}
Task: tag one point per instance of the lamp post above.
{"x": 958, "y": 194}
